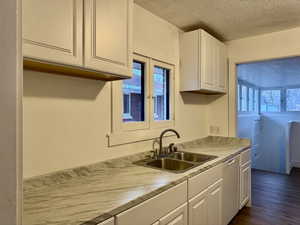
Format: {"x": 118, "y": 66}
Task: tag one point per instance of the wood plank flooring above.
{"x": 275, "y": 200}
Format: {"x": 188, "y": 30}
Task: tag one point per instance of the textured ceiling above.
{"x": 271, "y": 73}
{"x": 228, "y": 19}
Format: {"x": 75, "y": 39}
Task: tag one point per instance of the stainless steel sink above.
{"x": 170, "y": 164}
{"x": 176, "y": 162}
{"x": 192, "y": 157}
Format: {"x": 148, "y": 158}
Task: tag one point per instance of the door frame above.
{"x": 232, "y": 103}
{"x": 11, "y": 94}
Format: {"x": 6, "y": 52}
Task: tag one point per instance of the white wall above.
{"x": 66, "y": 119}
{"x": 11, "y": 113}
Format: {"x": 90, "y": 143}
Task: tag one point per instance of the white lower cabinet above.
{"x": 231, "y": 189}
{"x": 215, "y": 204}
{"x": 198, "y": 209}
{"x": 209, "y": 198}
{"x": 206, "y": 208}
{"x": 156, "y": 223}
{"x": 176, "y": 217}
{"x": 205, "y": 197}
{"x": 245, "y": 184}
{"x": 165, "y": 208}
{"x": 245, "y": 178}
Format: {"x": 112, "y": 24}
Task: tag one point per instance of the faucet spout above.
{"x": 161, "y": 137}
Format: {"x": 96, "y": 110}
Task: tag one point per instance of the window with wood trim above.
{"x": 146, "y": 100}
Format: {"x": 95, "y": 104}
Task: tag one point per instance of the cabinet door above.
{"x": 198, "y": 209}
{"x": 207, "y": 63}
{"x": 245, "y": 184}
{"x": 176, "y": 217}
{"x": 222, "y": 68}
{"x": 230, "y": 189}
{"x": 52, "y": 30}
{"x": 107, "y": 222}
{"x": 215, "y": 204}
{"x": 108, "y": 36}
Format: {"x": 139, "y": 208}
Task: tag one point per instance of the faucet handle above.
{"x": 171, "y": 147}
{"x": 153, "y": 154}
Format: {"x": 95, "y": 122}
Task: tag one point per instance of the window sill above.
{"x": 129, "y": 137}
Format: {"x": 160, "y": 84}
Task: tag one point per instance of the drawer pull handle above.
{"x": 231, "y": 162}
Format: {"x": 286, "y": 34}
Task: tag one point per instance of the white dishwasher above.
{"x": 231, "y": 188}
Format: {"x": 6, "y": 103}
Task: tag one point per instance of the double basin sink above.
{"x": 177, "y": 162}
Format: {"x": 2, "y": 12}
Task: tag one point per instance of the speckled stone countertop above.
{"x": 91, "y": 194}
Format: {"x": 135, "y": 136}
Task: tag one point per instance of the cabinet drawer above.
{"x": 153, "y": 209}
{"x": 199, "y": 182}
{"x": 108, "y": 222}
{"x": 245, "y": 157}
{"x": 177, "y": 217}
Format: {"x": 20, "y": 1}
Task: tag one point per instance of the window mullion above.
{"x": 283, "y": 100}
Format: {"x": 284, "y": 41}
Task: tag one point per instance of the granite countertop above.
{"x": 91, "y": 194}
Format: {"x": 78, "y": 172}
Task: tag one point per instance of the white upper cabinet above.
{"x": 52, "y": 30}
{"x": 88, "y": 38}
{"x": 203, "y": 63}
{"x": 108, "y": 36}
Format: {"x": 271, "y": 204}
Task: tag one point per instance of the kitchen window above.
{"x": 126, "y": 107}
{"x": 256, "y": 100}
{"x": 134, "y": 94}
{"x": 250, "y": 99}
{"x": 144, "y": 102}
{"x": 244, "y": 98}
{"x": 161, "y": 87}
{"x": 293, "y": 99}
{"x": 247, "y": 98}
{"x": 270, "y": 100}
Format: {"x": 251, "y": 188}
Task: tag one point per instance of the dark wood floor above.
{"x": 275, "y": 200}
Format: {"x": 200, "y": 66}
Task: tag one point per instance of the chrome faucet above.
{"x": 161, "y": 137}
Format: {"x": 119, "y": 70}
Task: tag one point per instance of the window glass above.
{"x": 238, "y": 97}
{"x": 293, "y": 99}
{"x": 161, "y": 93}
{"x": 133, "y": 95}
{"x": 270, "y": 101}
{"x": 244, "y": 98}
{"x": 250, "y": 100}
{"x": 256, "y": 97}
